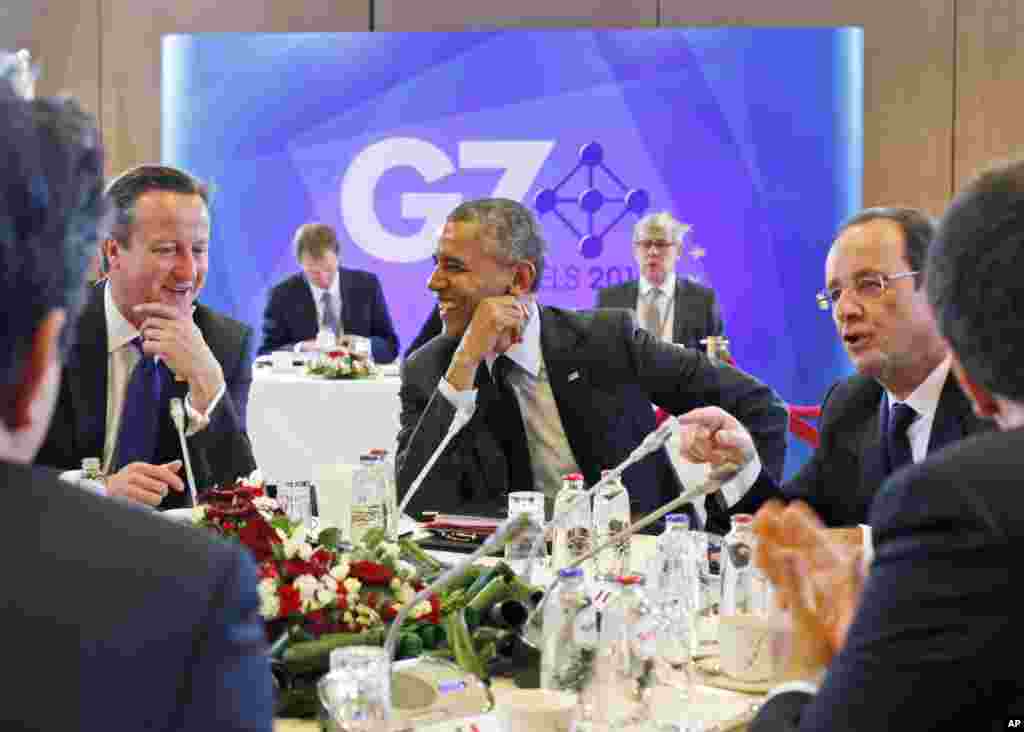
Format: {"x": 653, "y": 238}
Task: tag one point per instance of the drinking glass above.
{"x": 709, "y": 552}
{"x": 356, "y": 693}
{"x": 517, "y": 552}
{"x": 296, "y": 500}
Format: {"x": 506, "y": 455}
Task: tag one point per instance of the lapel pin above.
{"x": 574, "y": 375}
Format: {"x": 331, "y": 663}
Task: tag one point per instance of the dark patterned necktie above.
{"x": 140, "y": 413}
{"x": 506, "y": 423}
{"x": 897, "y": 441}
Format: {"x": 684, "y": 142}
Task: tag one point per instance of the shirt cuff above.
{"x": 805, "y": 686}
{"x": 463, "y": 401}
{"x": 736, "y": 488}
{"x": 198, "y": 421}
{"x": 74, "y": 477}
{"x": 868, "y": 556}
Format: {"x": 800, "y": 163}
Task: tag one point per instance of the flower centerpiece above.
{"x": 342, "y": 363}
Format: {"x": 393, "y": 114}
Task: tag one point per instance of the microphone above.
{"x": 511, "y": 529}
{"x": 458, "y": 422}
{"x": 718, "y": 477}
{"x": 178, "y": 417}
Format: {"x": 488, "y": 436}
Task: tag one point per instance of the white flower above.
{"x": 329, "y": 583}
{"x": 340, "y": 570}
{"x": 423, "y": 608}
{"x": 352, "y": 585}
{"x": 325, "y": 596}
{"x": 406, "y": 594}
{"x": 307, "y": 585}
{"x": 198, "y": 513}
{"x": 405, "y": 569}
{"x": 265, "y": 504}
{"x": 267, "y": 586}
{"x": 270, "y": 606}
{"x": 305, "y": 552}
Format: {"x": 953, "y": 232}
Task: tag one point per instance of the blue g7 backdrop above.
{"x": 751, "y": 136}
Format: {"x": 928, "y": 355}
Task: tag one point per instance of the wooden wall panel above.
{"x": 451, "y": 15}
{"x": 131, "y": 33}
{"x": 908, "y": 83}
{"x": 989, "y": 85}
{"x": 64, "y": 38}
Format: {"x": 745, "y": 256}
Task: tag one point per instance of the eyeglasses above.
{"x": 659, "y": 244}
{"x": 866, "y": 287}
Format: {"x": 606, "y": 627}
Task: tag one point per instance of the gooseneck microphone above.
{"x": 458, "y": 422}
{"x": 178, "y": 417}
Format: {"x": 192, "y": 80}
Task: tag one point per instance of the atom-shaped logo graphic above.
{"x": 591, "y": 200}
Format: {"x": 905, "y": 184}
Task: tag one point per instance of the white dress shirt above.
{"x": 550, "y": 454}
{"x": 666, "y": 305}
{"x": 121, "y": 359}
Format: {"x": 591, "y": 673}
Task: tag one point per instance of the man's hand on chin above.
{"x": 145, "y": 483}
{"x": 172, "y": 335}
{"x": 496, "y": 325}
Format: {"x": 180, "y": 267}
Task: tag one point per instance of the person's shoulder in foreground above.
{"x": 153, "y": 625}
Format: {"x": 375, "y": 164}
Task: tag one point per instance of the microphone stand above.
{"x": 458, "y": 422}
{"x": 178, "y": 417}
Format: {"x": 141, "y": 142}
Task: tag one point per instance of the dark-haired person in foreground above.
{"x": 114, "y": 618}
{"x": 874, "y": 290}
{"x": 548, "y": 391}
{"x": 143, "y": 338}
{"x": 931, "y": 639}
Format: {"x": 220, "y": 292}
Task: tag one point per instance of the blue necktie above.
{"x": 897, "y": 442}
{"x": 329, "y": 319}
{"x": 140, "y": 414}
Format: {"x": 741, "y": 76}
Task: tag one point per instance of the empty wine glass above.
{"x": 356, "y": 693}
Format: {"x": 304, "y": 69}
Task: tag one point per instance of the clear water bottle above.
{"x": 386, "y": 466}
{"x": 367, "y": 499}
{"x": 676, "y": 579}
{"x": 745, "y": 589}
{"x": 611, "y": 517}
{"x": 573, "y": 525}
{"x": 570, "y": 634}
{"x": 518, "y": 552}
{"x": 627, "y": 648}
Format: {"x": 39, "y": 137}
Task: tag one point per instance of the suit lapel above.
{"x": 560, "y": 343}
{"x": 680, "y": 331}
{"x": 86, "y": 375}
{"x": 305, "y": 311}
{"x": 954, "y": 418}
{"x": 344, "y": 289}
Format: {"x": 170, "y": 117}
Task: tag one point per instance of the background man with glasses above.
{"x": 669, "y": 307}
{"x": 900, "y": 405}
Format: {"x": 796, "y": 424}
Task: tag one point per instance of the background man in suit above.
{"x": 117, "y": 618}
{"x": 670, "y": 307}
{"x": 144, "y": 339}
{"x": 874, "y": 290}
{"x": 570, "y": 392}
{"x": 931, "y": 639}
{"x": 347, "y": 301}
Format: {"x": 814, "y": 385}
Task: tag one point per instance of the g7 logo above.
{"x": 520, "y": 159}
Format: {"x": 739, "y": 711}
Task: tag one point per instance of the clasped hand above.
{"x": 712, "y": 435}
{"x": 172, "y": 335}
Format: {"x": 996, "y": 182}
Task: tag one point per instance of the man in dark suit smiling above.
{"x": 548, "y": 391}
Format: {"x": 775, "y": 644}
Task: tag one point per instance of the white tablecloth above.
{"x": 296, "y": 421}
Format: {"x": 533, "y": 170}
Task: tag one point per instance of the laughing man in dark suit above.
{"x": 670, "y": 307}
{"x": 931, "y": 639}
{"x": 573, "y": 390}
{"x": 145, "y": 314}
{"x": 325, "y": 295}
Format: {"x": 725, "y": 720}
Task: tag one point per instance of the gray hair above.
{"x": 510, "y": 226}
{"x": 661, "y": 225}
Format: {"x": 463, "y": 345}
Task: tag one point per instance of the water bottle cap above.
{"x": 631, "y": 579}
{"x": 567, "y": 572}
{"x": 677, "y": 518}
{"x": 378, "y": 452}
{"x": 573, "y": 476}
{"x": 742, "y": 519}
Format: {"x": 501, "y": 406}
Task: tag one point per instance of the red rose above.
{"x": 317, "y": 623}
{"x": 389, "y": 613}
{"x": 290, "y": 600}
{"x": 267, "y": 570}
{"x": 435, "y": 609}
{"x": 296, "y": 567}
{"x": 371, "y": 573}
{"x": 341, "y": 601}
{"x": 259, "y": 537}
{"x": 371, "y": 600}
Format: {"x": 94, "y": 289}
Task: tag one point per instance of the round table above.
{"x": 297, "y": 421}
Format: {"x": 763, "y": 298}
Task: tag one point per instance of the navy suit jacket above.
{"x": 290, "y": 315}
{"x": 604, "y": 372}
{"x": 935, "y": 644}
{"x": 696, "y": 314}
{"x": 843, "y": 475}
{"x": 117, "y": 619}
{"x": 220, "y": 453}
